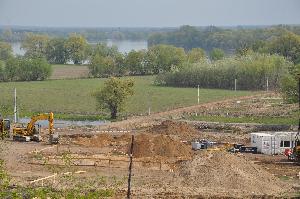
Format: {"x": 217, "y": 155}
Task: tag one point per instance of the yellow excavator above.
{"x": 4, "y": 127}
{"x": 32, "y": 131}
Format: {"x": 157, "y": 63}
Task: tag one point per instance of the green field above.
{"x": 72, "y": 98}
{"x": 293, "y": 120}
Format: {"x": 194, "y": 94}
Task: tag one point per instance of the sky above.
{"x": 148, "y": 13}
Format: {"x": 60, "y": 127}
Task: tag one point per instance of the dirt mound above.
{"x": 159, "y": 145}
{"x": 145, "y": 145}
{"x": 228, "y": 173}
{"x": 168, "y": 127}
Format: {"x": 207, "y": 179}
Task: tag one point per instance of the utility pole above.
{"x": 267, "y": 84}
{"x": 234, "y": 84}
{"x": 149, "y": 103}
{"x": 15, "y": 106}
{"x": 198, "y": 95}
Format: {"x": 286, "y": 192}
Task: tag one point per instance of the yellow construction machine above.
{"x": 32, "y": 131}
{"x": 4, "y": 127}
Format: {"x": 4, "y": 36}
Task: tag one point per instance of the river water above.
{"x": 64, "y": 123}
{"x": 124, "y": 46}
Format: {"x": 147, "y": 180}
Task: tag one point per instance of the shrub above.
{"x": 25, "y": 69}
{"x": 251, "y": 72}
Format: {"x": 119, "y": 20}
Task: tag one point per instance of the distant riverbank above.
{"x": 124, "y": 46}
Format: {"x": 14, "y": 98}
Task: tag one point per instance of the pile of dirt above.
{"x": 146, "y": 145}
{"x": 168, "y": 127}
{"x": 222, "y": 172}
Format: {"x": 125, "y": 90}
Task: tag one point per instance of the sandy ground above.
{"x": 164, "y": 165}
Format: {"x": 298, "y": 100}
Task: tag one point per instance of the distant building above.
{"x": 273, "y": 142}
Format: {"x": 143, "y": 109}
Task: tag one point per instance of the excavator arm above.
{"x": 23, "y": 133}
{"x": 43, "y": 116}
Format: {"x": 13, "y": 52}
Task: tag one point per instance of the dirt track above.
{"x": 156, "y": 118}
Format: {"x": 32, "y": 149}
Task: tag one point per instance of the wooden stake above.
{"x": 130, "y": 168}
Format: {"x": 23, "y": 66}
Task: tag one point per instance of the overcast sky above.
{"x": 148, "y": 13}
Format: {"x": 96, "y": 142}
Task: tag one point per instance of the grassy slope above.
{"x": 260, "y": 120}
{"x": 71, "y": 97}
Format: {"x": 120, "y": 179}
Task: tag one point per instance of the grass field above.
{"x": 293, "y": 120}
{"x": 263, "y": 110}
{"x": 72, "y": 98}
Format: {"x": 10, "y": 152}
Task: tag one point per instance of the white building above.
{"x": 272, "y": 142}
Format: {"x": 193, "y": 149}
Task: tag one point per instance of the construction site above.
{"x": 171, "y": 157}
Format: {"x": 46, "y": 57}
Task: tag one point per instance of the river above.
{"x": 64, "y": 123}
{"x": 124, "y": 46}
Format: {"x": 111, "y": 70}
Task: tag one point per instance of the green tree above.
{"x": 8, "y": 35}
{"x": 56, "y": 52}
{"x": 6, "y": 51}
{"x": 289, "y": 85}
{"x": 27, "y": 69}
{"x": 11, "y": 70}
{"x": 251, "y": 72}
{"x": 164, "y": 58}
{"x": 35, "y": 45}
{"x": 217, "y": 54}
{"x": 101, "y": 66}
{"x": 240, "y": 52}
{"x": 2, "y": 73}
{"x": 135, "y": 62}
{"x": 106, "y": 61}
{"x": 287, "y": 45}
{"x": 114, "y": 94}
{"x": 103, "y": 50}
{"x": 76, "y": 47}
{"x": 196, "y": 55}
{"x": 34, "y": 69}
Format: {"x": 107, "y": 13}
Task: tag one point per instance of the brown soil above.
{"x": 101, "y": 140}
{"x": 169, "y": 127}
{"x": 208, "y": 175}
{"x": 224, "y": 172}
{"x": 146, "y": 145}
{"x": 70, "y": 72}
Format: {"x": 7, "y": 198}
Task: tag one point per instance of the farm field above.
{"x": 269, "y": 109}
{"x": 71, "y": 97}
{"x": 69, "y": 71}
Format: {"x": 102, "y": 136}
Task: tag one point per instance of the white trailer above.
{"x": 272, "y": 142}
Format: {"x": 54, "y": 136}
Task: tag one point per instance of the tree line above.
{"x": 227, "y": 39}
{"x": 21, "y": 68}
{"x": 250, "y": 72}
{"x": 18, "y": 34}
{"x": 106, "y": 61}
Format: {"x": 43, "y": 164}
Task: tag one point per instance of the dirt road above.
{"x": 156, "y": 118}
